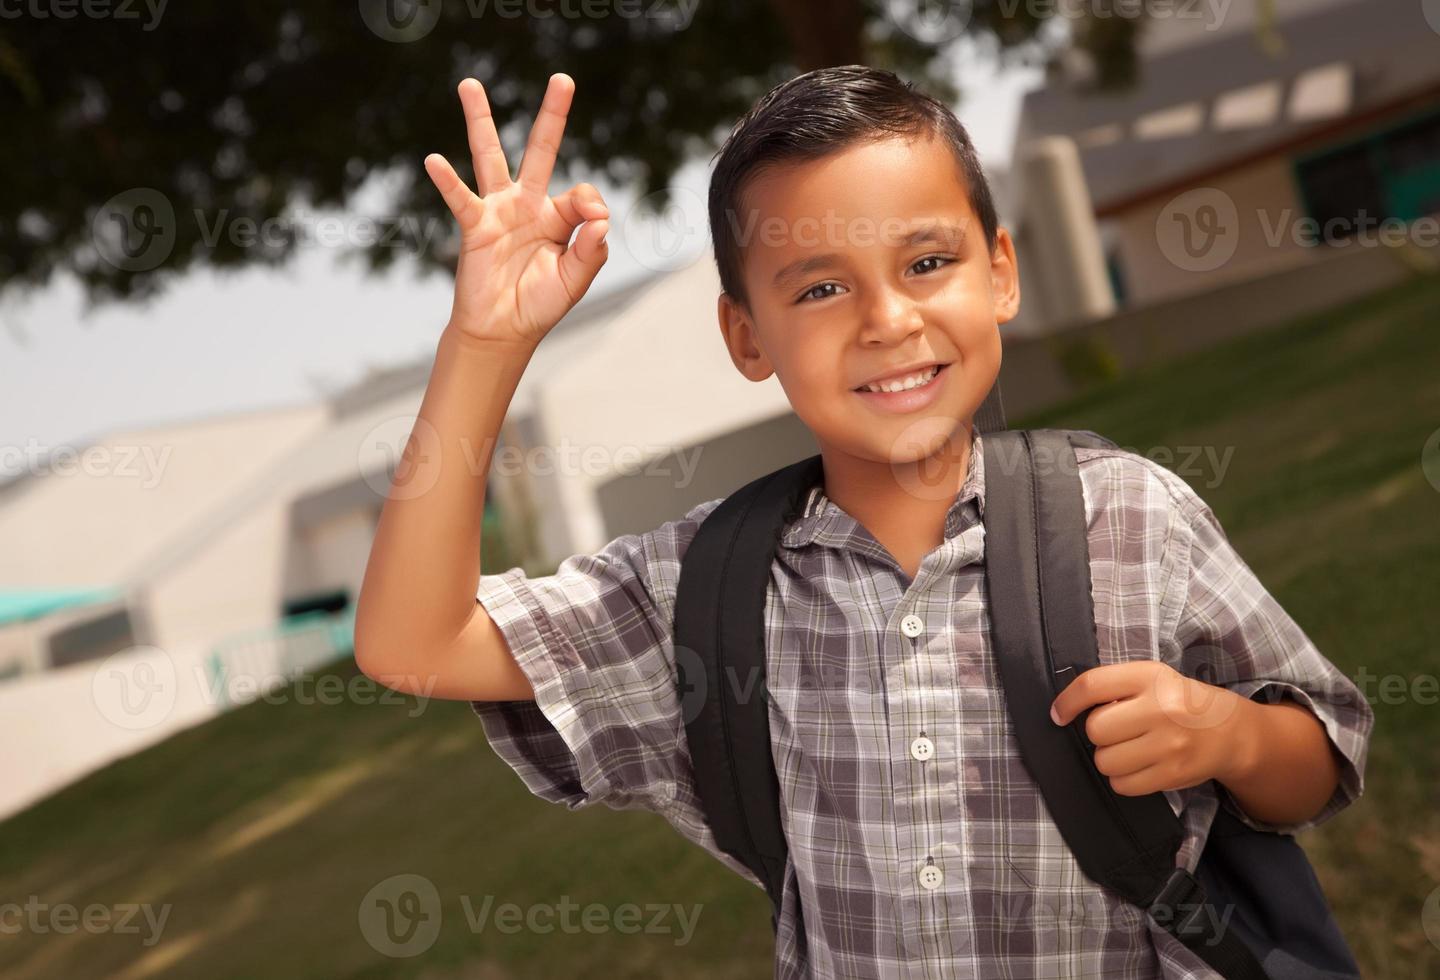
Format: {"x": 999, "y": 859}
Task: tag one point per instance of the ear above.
{"x": 742, "y": 340}
{"x": 1004, "y": 277}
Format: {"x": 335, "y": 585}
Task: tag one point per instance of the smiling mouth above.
{"x": 908, "y": 383}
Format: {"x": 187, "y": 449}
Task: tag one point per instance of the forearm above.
{"x": 419, "y": 586}
{"x": 1285, "y": 769}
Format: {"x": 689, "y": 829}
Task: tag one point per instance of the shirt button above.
{"x": 912, "y": 626}
{"x": 922, "y": 748}
{"x": 930, "y": 877}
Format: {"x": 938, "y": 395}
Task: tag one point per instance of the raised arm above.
{"x": 418, "y": 627}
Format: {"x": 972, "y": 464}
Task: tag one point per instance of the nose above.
{"x": 891, "y": 317}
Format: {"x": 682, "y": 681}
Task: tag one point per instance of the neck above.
{"x": 912, "y": 496}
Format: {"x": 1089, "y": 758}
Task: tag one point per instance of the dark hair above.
{"x": 816, "y": 114}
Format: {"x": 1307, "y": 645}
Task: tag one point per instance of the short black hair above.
{"x": 818, "y": 113}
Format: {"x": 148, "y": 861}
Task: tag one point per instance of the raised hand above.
{"x": 516, "y": 276}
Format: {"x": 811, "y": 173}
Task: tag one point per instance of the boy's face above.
{"x": 868, "y": 262}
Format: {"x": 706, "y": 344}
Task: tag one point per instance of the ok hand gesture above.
{"x": 516, "y": 276}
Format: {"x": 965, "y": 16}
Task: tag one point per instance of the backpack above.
{"x": 1038, "y": 575}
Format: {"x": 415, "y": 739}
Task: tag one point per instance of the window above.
{"x": 1393, "y": 173}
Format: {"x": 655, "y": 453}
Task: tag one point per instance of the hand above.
{"x": 516, "y": 278}
{"x": 1156, "y": 729}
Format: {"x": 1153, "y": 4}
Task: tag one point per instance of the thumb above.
{"x": 581, "y": 262}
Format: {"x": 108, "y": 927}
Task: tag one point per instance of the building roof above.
{"x": 387, "y": 384}
{"x": 1202, "y": 106}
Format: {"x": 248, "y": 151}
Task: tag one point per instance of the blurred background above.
{"x": 223, "y": 271}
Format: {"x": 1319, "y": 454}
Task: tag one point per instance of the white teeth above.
{"x": 905, "y": 384}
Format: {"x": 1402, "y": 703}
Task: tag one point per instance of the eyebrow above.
{"x": 938, "y": 232}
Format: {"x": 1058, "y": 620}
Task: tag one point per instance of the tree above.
{"x": 142, "y": 138}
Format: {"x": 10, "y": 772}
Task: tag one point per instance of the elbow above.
{"x": 375, "y": 655}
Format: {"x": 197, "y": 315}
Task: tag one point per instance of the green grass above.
{"x": 264, "y": 828}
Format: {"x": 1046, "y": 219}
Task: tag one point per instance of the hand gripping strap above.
{"x": 1037, "y": 569}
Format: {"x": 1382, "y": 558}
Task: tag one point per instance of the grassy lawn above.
{"x": 264, "y": 829}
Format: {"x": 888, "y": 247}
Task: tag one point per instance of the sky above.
{"x": 216, "y": 343}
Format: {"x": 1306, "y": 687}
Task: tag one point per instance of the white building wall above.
{"x": 657, "y": 379}
{"x": 93, "y": 526}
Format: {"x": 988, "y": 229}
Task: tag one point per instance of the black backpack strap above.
{"x": 1037, "y": 571}
{"x": 720, "y": 660}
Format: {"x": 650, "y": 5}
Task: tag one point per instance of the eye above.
{"x": 805, "y": 296}
{"x": 932, "y": 258}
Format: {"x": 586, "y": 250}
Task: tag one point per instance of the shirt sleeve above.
{"x": 594, "y": 640}
{"x": 1232, "y": 632}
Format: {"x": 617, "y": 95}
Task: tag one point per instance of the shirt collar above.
{"x": 821, "y": 516}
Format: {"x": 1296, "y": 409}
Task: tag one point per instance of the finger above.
{"x": 1098, "y": 685}
{"x": 464, "y": 205}
{"x": 1151, "y": 779}
{"x": 582, "y": 260}
{"x": 1131, "y": 756}
{"x": 492, "y": 170}
{"x": 1118, "y": 721}
{"x": 545, "y": 135}
{"x": 580, "y": 203}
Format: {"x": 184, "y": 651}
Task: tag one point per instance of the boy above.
{"x": 857, "y": 246}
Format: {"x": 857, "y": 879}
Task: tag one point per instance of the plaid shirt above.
{"x": 908, "y": 858}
